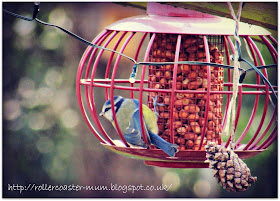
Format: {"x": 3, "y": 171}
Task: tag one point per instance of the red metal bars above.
{"x": 112, "y": 89}
{"x": 110, "y": 62}
{"x": 177, "y": 51}
{"x": 141, "y": 88}
{"x": 91, "y": 92}
{"x": 78, "y": 86}
{"x": 136, "y": 57}
{"x": 207, "y": 53}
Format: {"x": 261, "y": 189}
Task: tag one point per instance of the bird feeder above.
{"x": 194, "y": 98}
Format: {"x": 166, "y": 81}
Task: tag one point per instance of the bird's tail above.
{"x": 167, "y": 147}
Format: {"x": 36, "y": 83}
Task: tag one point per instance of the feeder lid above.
{"x": 161, "y": 18}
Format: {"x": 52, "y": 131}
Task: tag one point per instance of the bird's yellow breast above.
{"x": 150, "y": 119}
{"x": 126, "y": 112}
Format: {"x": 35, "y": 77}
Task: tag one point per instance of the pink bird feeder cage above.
{"x": 195, "y": 98}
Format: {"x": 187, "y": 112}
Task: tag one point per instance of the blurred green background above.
{"x": 45, "y": 139}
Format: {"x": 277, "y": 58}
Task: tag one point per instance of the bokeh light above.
{"x": 11, "y": 109}
{"x": 23, "y": 28}
{"x": 59, "y": 17}
{"x": 53, "y": 78}
{"x": 202, "y": 188}
{"x": 69, "y": 118}
{"x": 45, "y": 145}
{"x": 172, "y": 180}
{"x": 50, "y": 40}
{"x": 36, "y": 120}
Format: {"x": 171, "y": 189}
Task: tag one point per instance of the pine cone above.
{"x": 230, "y": 171}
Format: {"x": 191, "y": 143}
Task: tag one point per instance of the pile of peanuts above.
{"x": 189, "y": 108}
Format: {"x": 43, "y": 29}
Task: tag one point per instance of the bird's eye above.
{"x": 108, "y": 108}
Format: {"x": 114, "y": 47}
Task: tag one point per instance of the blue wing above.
{"x": 133, "y": 133}
{"x": 168, "y": 148}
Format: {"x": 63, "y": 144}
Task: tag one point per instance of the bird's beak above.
{"x": 101, "y": 114}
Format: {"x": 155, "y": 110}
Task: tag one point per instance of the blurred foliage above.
{"x": 45, "y": 139}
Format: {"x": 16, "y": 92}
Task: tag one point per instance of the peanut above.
{"x": 157, "y": 86}
{"x": 161, "y": 127}
{"x": 161, "y": 108}
{"x": 211, "y": 116}
{"x": 183, "y": 114}
{"x": 167, "y": 75}
{"x": 177, "y": 124}
{"x": 169, "y": 46}
{"x": 202, "y": 74}
{"x": 180, "y": 78}
{"x": 187, "y": 95}
{"x": 155, "y": 53}
{"x": 164, "y": 115}
{"x": 193, "y": 117}
{"x": 201, "y": 121}
{"x": 195, "y": 67}
{"x": 180, "y": 141}
{"x": 199, "y": 96}
{"x": 166, "y": 132}
{"x": 159, "y": 74}
{"x": 196, "y": 148}
{"x": 192, "y": 75}
{"x": 158, "y": 52}
{"x": 191, "y": 49}
{"x": 198, "y": 141}
{"x": 204, "y": 83}
{"x": 163, "y": 81}
{"x": 179, "y": 70}
{"x": 185, "y": 83}
{"x": 179, "y": 96}
{"x": 194, "y": 85}
{"x": 201, "y": 54}
{"x": 211, "y": 125}
{"x": 188, "y": 128}
{"x": 152, "y": 78}
{"x": 182, "y": 148}
{"x": 210, "y": 135}
{"x": 181, "y": 130}
{"x": 190, "y": 136}
{"x": 175, "y": 114}
{"x": 185, "y": 68}
{"x": 205, "y": 68}
{"x": 154, "y": 46}
{"x": 178, "y": 85}
{"x": 190, "y": 41}
{"x": 191, "y": 108}
{"x": 183, "y": 57}
{"x": 179, "y": 103}
{"x": 185, "y": 101}
{"x": 169, "y": 67}
{"x": 166, "y": 100}
{"x": 169, "y": 54}
{"x": 195, "y": 127}
{"x": 189, "y": 143}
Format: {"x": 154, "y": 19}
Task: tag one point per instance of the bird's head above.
{"x": 107, "y": 107}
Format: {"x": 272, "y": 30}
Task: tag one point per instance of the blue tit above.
{"x": 127, "y": 113}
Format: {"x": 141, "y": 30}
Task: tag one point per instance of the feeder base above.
{"x": 177, "y": 164}
{"x": 182, "y": 159}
